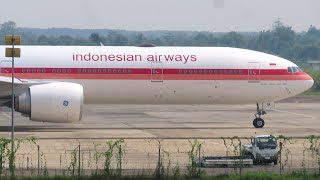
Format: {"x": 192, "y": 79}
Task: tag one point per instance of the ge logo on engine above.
{"x": 65, "y": 103}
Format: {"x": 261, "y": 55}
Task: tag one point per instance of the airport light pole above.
{"x": 12, "y": 52}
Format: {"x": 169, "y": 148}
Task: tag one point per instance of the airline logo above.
{"x": 65, "y": 103}
{"x": 184, "y": 58}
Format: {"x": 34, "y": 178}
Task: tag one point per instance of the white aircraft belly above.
{"x": 179, "y": 92}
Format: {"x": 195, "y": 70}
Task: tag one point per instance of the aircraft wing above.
{"x": 20, "y": 85}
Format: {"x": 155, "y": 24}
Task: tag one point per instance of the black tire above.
{"x": 258, "y": 123}
{"x": 254, "y": 162}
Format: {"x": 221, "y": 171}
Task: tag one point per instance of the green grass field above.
{"x": 249, "y": 176}
{"x": 317, "y": 93}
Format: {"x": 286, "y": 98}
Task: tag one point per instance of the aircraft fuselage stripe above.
{"x": 154, "y": 74}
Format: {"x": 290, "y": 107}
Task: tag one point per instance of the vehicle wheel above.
{"x": 253, "y": 160}
{"x": 258, "y": 123}
{"x": 275, "y": 162}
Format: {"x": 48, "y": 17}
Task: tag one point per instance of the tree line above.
{"x": 279, "y": 40}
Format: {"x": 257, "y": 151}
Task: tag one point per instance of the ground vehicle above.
{"x": 263, "y": 149}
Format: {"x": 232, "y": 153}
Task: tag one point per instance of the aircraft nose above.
{"x": 309, "y": 83}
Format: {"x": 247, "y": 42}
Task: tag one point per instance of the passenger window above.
{"x": 289, "y": 70}
{"x": 240, "y": 71}
{"x": 230, "y": 71}
{"x": 215, "y": 71}
{"x": 205, "y": 71}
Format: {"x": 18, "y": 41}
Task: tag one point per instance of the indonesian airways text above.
{"x": 183, "y": 58}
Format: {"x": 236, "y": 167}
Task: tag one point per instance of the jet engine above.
{"x": 57, "y": 102}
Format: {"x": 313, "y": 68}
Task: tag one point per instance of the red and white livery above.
{"x": 52, "y": 82}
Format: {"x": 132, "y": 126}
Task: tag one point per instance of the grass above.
{"x": 317, "y": 93}
{"x": 248, "y": 176}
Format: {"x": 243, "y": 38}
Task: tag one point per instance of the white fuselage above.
{"x": 166, "y": 75}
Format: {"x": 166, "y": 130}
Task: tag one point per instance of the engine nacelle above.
{"x": 53, "y": 102}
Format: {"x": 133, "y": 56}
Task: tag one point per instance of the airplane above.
{"x": 52, "y": 82}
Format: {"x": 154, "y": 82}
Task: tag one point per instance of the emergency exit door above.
{"x": 254, "y": 72}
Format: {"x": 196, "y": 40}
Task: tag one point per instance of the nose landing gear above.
{"x": 258, "y": 122}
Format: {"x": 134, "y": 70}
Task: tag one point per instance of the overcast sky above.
{"x": 197, "y": 15}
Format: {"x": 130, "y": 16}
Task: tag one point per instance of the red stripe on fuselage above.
{"x": 147, "y": 74}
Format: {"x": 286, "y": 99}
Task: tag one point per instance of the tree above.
{"x": 232, "y": 39}
{"x": 43, "y": 40}
{"x": 309, "y": 52}
{"x": 96, "y": 38}
{"x": 169, "y": 38}
{"x": 8, "y": 28}
{"x": 203, "y": 39}
{"x": 116, "y": 39}
{"x": 283, "y": 39}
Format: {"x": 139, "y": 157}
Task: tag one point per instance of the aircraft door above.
{"x": 156, "y": 72}
{"x": 254, "y": 72}
{"x": 4, "y": 65}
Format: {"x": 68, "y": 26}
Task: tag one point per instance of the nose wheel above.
{"x": 258, "y": 122}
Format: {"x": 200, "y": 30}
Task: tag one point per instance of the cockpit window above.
{"x": 294, "y": 69}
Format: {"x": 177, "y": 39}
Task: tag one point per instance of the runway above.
{"x": 296, "y": 117}
{"x": 174, "y": 127}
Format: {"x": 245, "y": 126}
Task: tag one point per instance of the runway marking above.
{"x": 6, "y": 115}
{"x": 309, "y": 116}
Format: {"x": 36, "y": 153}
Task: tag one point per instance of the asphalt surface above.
{"x": 298, "y": 116}
{"x": 144, "y": 126}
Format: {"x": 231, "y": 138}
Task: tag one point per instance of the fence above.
{"x": 148, "y": 156}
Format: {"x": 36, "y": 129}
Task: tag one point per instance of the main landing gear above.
{"x": 258, "y": 122}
